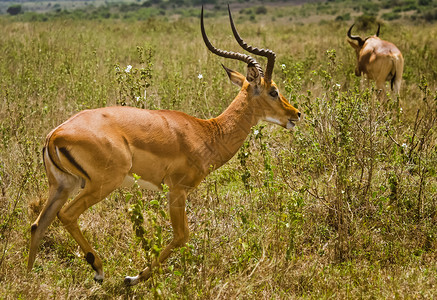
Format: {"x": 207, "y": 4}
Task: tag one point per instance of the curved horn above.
{"x": 271, "y": 56}
{"x": 226, "y": 54}
{"x": 354, "y": 37}
{"x": 377, "y": 32}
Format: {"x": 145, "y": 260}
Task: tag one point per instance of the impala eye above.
{"x": 274, "y": 93}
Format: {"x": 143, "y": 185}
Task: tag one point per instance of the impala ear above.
{"x": 253, "y": 75}
{"x": 235, "y": 77}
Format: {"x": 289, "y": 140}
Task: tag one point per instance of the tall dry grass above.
{"x": 342, "y": 207}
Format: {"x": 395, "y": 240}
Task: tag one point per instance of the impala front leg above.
{"x": 179, "y": 224}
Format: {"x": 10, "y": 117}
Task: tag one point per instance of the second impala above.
{"x": 379, "y": 60}
{"x": 97, "y": 151}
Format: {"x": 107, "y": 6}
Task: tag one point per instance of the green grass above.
{"x": 342, "y": 207}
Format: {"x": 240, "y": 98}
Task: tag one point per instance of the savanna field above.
{"x": 344, "y": 206}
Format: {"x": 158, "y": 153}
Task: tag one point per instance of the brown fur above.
{"x": 103, "y": 146}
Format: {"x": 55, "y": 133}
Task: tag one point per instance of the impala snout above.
{"x": 292, "y": 114}
{"x": 276, "y": 109}
{"x": 290, "y": 123}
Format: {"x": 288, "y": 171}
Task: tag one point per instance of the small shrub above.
{"x": 391, "y": 16}
{"x": 430, "y": 15}
{"x": 133, "y": 82}
{"x": 14, "y": 9}
{"x": 344, "y": 17}
{"x": 261, "y": 10}
{"x": 365, "y": 22}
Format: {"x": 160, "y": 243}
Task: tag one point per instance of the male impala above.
{"x": 379, "y": 60}
{"x": 98, "y": 150}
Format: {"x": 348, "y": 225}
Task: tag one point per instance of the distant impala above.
{"x": 98, "y": 150}
{"x": 379, "y": 60}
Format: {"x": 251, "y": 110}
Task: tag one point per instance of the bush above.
{"x": 261, "y": 10}
{"x": 391, "y": 16}
{"x": 430, "y": 15}
{"x": 344, "y": 17}
{"x": 14, "y": 9}
{"x": 365, "y": 22}
{"x": 371, "y": 8}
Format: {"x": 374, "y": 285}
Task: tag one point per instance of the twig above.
{"x": 220, "y": 292}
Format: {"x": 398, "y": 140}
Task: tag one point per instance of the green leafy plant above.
{"x": 151, "y": 239}
{"x": 134, "y": 82}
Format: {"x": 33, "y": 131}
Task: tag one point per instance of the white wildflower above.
{"x": 200, "y": 76}
{"x": 255, "y": 132}
{"x": 129, "y": 67}
{"x": 283, "y": 66}
{"x": 404, "y": 145}
{"x": 138, "y": 98}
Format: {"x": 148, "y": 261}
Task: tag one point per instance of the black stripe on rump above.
{"x": 68, "y": 155}
{"x": 51, "y": 158}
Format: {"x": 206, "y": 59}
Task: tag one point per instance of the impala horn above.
{"x": 235, "y": 55}
{"x": 271, "y": 56}
{"x": 354, "y": 37}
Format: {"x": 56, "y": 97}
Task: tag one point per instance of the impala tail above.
{"x": 397, "y": 78}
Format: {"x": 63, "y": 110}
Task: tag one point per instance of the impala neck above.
{"x": 233, "y": 126}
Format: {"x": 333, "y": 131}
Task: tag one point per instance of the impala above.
{"x": 97, "y": 151}
{"x": 379, "y": 60}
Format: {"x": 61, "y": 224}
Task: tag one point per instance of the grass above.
{"x": 342, "y": 207}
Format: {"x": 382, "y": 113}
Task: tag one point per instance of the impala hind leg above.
{"x": 90, "y": 195}
{"x": 62, "y": 186}
{"x": 396, "y": 84}
{"x": 179, "y": 224}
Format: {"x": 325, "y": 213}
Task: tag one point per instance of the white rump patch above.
{"x": 129, "y": 182}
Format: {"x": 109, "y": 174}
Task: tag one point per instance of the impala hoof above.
{"x": 130, "y": 281}
{"x": 98, "y": 280}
